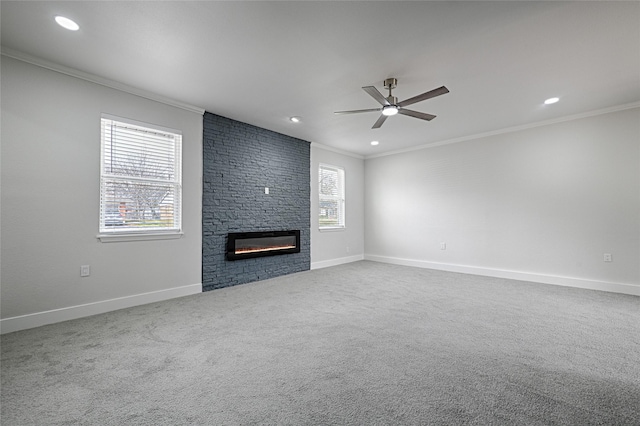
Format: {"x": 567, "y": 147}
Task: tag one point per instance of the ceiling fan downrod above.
{"x": 392, "y": 108}
{"x": 390, "y": 84}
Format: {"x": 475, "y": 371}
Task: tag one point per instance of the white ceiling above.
{"x": 262, "y": 62}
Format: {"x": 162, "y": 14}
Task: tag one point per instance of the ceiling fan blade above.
{"x": 427, "y": 95}
{"x": 378, "y": 123}
{"x": 375, "y": 94}
{"x": 357, "y": 111}
{"x": 416, "y": 114}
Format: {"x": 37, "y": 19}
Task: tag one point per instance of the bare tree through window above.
{"x": 140, "y": 178}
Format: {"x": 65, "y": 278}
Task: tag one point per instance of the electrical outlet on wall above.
{"x": 443, "y": 246}
{"x": 608, "y": 257}
{"x": 85, "y": 270}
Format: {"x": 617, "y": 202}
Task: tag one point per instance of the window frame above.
{"x": 149, "y": 232}
{"x": 341, "y": 197}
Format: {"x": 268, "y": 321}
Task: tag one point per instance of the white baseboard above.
{"x": 612, "y": 287}
{"x": 336, "y": 262}
{"x": 23, "y": 322}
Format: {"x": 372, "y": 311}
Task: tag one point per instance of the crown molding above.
{"x": 336, "y": 150}
{"x": 43, "y": 63}
{"x": 573, "y": 117}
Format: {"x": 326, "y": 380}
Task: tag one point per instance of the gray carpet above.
{"x": 364, "y": 343}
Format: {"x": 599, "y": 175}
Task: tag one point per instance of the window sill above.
{"x": 118, "y": 238}
{"x": 332, "y": 229}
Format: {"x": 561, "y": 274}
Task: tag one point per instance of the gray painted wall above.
{"x": 544, "y": 204}
{"x": 239, "y": 162}
{"x": 51, "y": 199}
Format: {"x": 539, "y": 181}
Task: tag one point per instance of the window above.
{"x": 332, "y": 212}
{"x": 140, "y": 179}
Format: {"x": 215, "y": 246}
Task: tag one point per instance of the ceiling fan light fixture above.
{"x": 389, "y": 110}
{"x": 67, "y": 23}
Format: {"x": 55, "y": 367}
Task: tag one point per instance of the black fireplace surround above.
{"x": 246, "y": 245}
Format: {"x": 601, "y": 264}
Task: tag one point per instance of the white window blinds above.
{"x": 331, "y": 202}
{"x": 140, "y": 179}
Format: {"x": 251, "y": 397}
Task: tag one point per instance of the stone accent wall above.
{"x": 239, "y": 162}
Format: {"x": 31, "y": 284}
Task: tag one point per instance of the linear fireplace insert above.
{"x": 245, "y": 245}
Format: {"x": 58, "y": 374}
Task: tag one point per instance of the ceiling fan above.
{"x": 391, "y": 106}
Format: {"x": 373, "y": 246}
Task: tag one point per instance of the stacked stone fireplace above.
{"x": 239, "y": 162}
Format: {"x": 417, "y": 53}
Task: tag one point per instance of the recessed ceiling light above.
{"x": 374, "y": 143}
{"x": 67, "y": 23}
{"x": 551, "y": 101}
{"x": 295, "y": 119}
